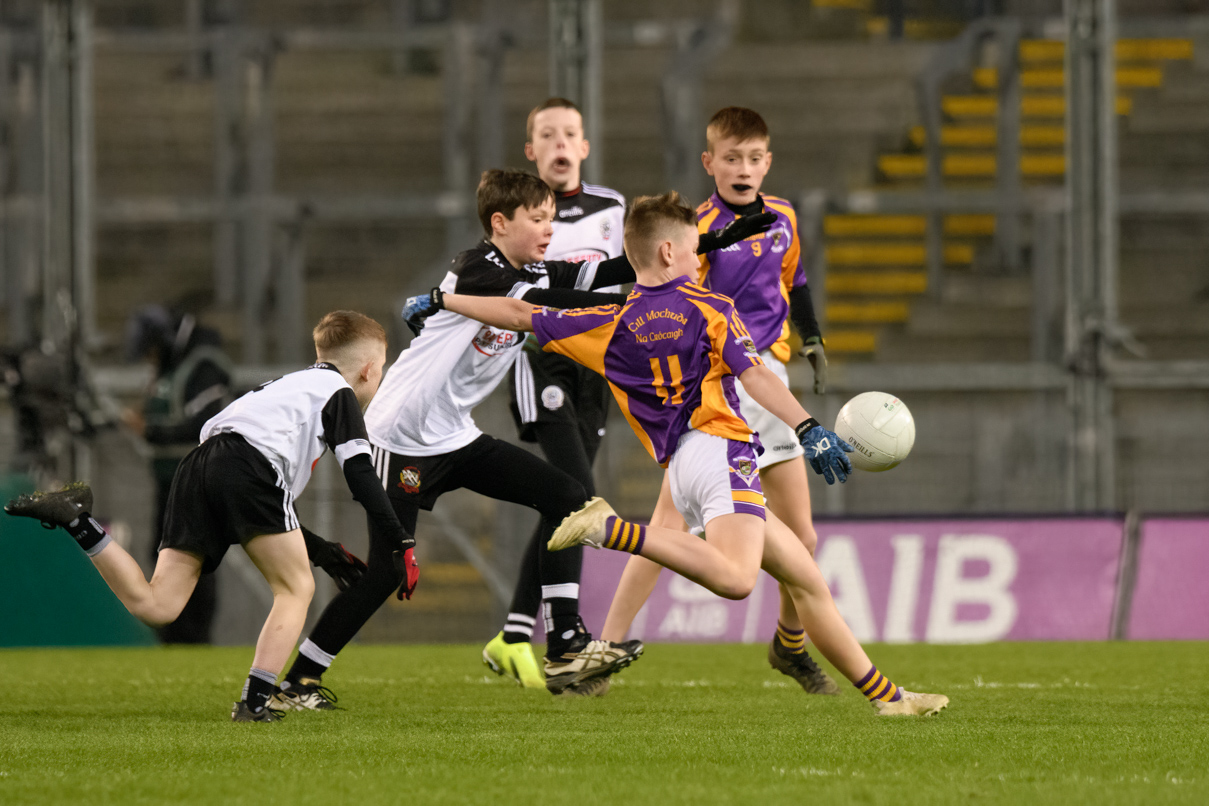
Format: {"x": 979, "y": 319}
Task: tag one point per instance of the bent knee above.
{"x": 297, "y": 586}
{"x": 810, "y": 539}
{"x": 738, "y": 588}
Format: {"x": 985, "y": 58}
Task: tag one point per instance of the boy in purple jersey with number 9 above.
{"x": 671, "y": 356}
{"x": 763, "y": 276}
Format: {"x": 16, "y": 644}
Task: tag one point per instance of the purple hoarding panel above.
{"x": 1170, "y": 598}
{"x": 958, "y": 581}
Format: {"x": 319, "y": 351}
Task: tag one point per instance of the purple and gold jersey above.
{"x": 670, "y": 355}
{"x": 757, "y": 273}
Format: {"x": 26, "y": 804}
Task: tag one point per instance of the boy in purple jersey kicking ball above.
{"x": 672, "y": 355}
{"x": 763, "y": 276}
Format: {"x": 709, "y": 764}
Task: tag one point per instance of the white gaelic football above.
{"x": 880, "y": 427}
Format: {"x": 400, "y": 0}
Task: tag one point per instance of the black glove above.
{"x": 812, "y": 351}
{"x": 417, "y": 309}
{"x": 738, "y": 230}
{"x": 337, "y": 562}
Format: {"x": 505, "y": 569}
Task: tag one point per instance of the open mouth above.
{"x": 561, "y": 163}
{"x": 740, "y": 188}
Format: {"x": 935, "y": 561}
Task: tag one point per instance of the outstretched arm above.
{"x": 502, "y": 312}
{"x": 824, "y": 450}
{"x": 770, "y": 392}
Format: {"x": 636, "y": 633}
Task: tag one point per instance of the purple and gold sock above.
{"x": 876, "y": 686}
{"x": 794, "y": 641}
{"x": 624, "y": 536}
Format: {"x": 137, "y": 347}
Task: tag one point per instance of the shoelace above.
{"x": 804, "y": 661}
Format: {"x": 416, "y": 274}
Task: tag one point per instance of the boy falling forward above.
{"x": 555, "y": 402}
{"x": 763, "y": 277}
{"x": 671, "y": 355}
{"x": 239, "y": 486}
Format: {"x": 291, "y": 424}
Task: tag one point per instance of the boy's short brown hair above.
{"x": 340, "y": 329}
{"x": 738, "y": 122}
{"x": 504, "y": 190}
{"x": 653, "y": 218}
{"x": 549, "y": 103}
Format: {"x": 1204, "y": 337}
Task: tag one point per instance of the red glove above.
{"x": 405, "y": 561}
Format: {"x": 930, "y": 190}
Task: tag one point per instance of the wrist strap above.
{"x": 806, "y": 426}
{"x": 437, "y": 298}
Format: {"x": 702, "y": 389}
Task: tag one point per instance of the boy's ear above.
{"x": 665, "y": 252}
{"x": 585, "y": 147}
{"x": 530, "y": 154}
{"x": 707, "y": 162}
{"x": 499, "y": 222}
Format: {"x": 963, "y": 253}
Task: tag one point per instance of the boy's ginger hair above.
{"x": 738, "y": 122}
{"x": 549, "y": 103}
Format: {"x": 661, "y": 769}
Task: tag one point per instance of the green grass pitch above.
{"x": 1028, "y": 723}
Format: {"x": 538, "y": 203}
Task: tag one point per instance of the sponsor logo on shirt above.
{"x": 494, "y": 258}
{"x": 571, "y": 211}
{"x": 409, "y": 480}
{"x": 492, "y": 342}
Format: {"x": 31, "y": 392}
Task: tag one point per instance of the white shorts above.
{"x": 778, "y": 439}
{"x": 712, "y": 476}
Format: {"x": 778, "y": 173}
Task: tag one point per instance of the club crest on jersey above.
{"x": 747, "y": 344}
{"x": 491, "y": 342}
{"x": 780, "y": 239}
{"x": 745, "y": 469}
{"x": 606, "y": 229}
{"x": 409, "y": 480}
{"x": 553, "y": 397}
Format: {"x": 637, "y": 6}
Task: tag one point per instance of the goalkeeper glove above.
{"x": 825, "y": 451}
{"x": 738, "y": 230}
{"x": 812, "y": 351}
{"x": 417, "y": 309}
{"x": 405, "y": 563}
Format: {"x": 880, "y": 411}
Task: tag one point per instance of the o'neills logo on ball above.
{"x": 409, "y": 480}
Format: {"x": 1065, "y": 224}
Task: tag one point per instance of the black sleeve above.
{"x": 571, "y": 298}
{"x": 482, "y": 278}
{"x": 343, "y": 426}
{"x": 613, "y": 271}
{"x": 801, "y": 313}
{"x": 207, "y": 390}
{"x": 590, "y": 274}
{"x": 366, "y": 487}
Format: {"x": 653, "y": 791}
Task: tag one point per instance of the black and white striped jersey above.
{"x": 588, "y": 224}
{"x": 293, "y": 420}
{"x": 423, "y": 406}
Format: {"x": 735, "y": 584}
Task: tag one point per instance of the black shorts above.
{"x": 224, "y": 492}
{"x": 551, "y": 388}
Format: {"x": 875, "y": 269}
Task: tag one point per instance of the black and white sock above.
{"x": 89, "y": 534}
{"x": 518, "y": 629}
{"x": 561, "y": 615}
{"x": 311, "y": 663}
{"x": 258, "y": 688}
